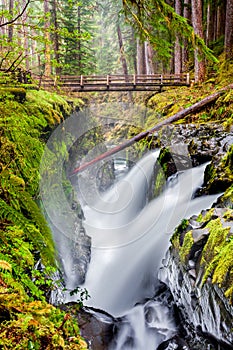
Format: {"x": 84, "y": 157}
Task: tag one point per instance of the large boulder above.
{"x": 198, "y": 270}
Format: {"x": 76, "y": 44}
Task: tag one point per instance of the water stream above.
{"x": 129, "y": 239}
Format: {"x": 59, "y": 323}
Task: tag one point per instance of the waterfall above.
{"x": 144, "y": 327}
{"x": 130, "y": 237}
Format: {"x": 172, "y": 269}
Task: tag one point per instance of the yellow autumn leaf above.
{"x": 4, "y": 265}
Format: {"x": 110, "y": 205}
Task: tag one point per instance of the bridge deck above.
{"x": 115, "y": 82}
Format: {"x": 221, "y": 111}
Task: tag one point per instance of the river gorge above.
{"x": 143, "y": 293}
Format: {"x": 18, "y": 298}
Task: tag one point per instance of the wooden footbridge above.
{"x": 105, "y": 83}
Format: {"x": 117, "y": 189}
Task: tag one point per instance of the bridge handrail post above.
{"x": 108, "y": 81}
{"x": 134, "y": 79}
{"x": 161, "y": 79}
{"x": 81, "y": 80}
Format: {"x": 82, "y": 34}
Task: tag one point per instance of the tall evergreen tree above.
{"x": 229, "y": 31}
{"x": 178, "y": 51}
{"x": 199, "y": 62}
{"x": 47, "y": 43}
{"x": 76, "y": 34}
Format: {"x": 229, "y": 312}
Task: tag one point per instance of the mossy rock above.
{"x": 18, "y": 94}
{"x": 227, "y": 199}
{"x": 207, "y": 241}
{"x": 219, "y": 173}
{"x": 167, "y": 162}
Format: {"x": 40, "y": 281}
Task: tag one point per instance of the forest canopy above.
{"x": 114, "y": 37}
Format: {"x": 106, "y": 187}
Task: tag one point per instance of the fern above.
{"x": 4, "y": 265}
{"x": 10, "y": 214}
{"x": 35, "y": 215}
{"x": 26, "y": 322}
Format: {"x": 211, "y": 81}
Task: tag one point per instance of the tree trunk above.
{"x": 185, "y": 53}
{"x": 210, "y": 24}
{"x": 55, "y": 37}
{"x": 149, "y": 59}
{"x": 178, "y": 51}
{"x": 199, "y": 63}
{"x": 229, "y": 31}
{"x": 47, "y": 52}
{"x": 79, "y": 41}
{"x": 221, "y": 10}
{"x": 10, "y": 27}
{"x": 122, "y": 53}
{"x": 133, "y": 43}
{"x": 25, "y": 38}
{"x": 141, "y": 64}
{"x": 182, "y": 114}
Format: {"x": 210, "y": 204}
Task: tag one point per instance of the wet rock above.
{"x": 226, "y": 200}
{"x": 185, "y": 146}
{"x": 96, "y": 326}
{"x": 199, "y": 276}
{"x": 81, "y": 254}
{"x": 219, "y": 173}
{"x": 175, "y": 343}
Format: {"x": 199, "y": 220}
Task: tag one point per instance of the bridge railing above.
{"x": 83, "y": 82}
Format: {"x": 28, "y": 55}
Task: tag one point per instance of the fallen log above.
{"x": 183, "y": 113}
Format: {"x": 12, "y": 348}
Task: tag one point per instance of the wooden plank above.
{"x": 114, "y": 82}
{"x": 175, "y": 117}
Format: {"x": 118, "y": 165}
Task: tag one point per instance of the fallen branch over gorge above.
{"x": 181, "y": 114}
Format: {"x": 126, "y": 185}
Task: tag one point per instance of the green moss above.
{"x": 166, "y": 161}
{"x": 219, "y": 174}
{"x": 216, "y": 240}
{"x": 175, "y": 240}
{"x": 228, "y": 215}
{"x": 26, "y": 320}
{"x": 207, "y": 216}
{"x": 224, "y": 268}
{"x": 170, "y": 101}
{"x": 159, "y": 182}
{"x": 186, "y": 246}
{"x": 217, "y": 256}
{"x": 18, "y": 94}
{"x": 36, "y": 325}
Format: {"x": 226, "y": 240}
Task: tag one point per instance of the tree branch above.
{"x": 13, "y": 63}
{"x": 183, "y": 113}
{"x": 19, "y": 15}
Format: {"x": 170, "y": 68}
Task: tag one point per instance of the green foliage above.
{"x": 76, "y": 31}
{"x": 36, "y": 325}
{"x": 158, "y": 22}
{"x": 27, "y": 321}
{"x": 21, "y": 151}
{"x": 82, "y": 294}
{"x": 18, "y": 252}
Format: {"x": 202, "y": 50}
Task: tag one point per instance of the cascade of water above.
{"x": 144, "y": 327}
{"x": 122, "y": 202}
{"x": 130, "y": 237}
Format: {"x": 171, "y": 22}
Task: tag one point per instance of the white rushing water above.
{"x": 130, "y": 237}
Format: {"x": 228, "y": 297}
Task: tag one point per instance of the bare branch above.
{"x": 17, "y": 17}
{"x": 4, "y": 58}
{"x": 12, "y": 65}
